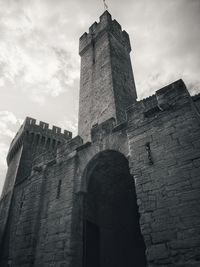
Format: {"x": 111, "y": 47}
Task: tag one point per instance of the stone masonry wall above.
{"x": 20, "y": 204}
{"x": 39, "y": 230}
{"x": 54, "y": 232}
{"x": 44, "y": 226}
{"x": 8, "y": 190}
{"x": 165, "y": 162}
{"x": 106, "y": 84}
{"x": 95, "y": 87}
{"x": 41, "y": 208}
{"x": 122, "y": 75}
{"x": 196, "y": 99}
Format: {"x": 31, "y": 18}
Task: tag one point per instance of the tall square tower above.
{"x": 107, "y": 85}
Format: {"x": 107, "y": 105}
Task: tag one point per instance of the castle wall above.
{"x": 24, "y": 190}
{"x": 7, "y": 193}
{"x": 196, "y": 100}
{"x": 54, "y": 225}
{"x": 161, "y": 142}
{"x": 39, "y": 232}
{"x": 17, "y": 234}
{"x": 41, "y": 209}
{"x": 12, "y": 172}
{"x": 165, "y": 162}
{"x": 52, "y": 195}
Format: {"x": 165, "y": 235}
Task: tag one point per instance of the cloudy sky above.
{"x": 39, "y": 62}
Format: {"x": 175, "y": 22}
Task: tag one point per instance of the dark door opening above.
{"x": 91, "y": 245}
{"x": 112, "y": 236}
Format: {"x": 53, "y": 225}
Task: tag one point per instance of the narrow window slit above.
{"x": 58, "y": 189}
{"x": 149, "y": 155}
{"x": 93, "y": 49}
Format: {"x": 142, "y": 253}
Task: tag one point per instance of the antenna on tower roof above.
{"x": 105, "y": 5}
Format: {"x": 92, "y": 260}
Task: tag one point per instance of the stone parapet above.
{"x": 106, "y": 24}
{"x": 167, "y": 98}
{"x": 37, "y": 134}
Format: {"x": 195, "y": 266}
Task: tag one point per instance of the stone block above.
{"x": 156, "y": 252}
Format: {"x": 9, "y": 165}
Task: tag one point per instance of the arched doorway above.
{"x": 111, "y": 231}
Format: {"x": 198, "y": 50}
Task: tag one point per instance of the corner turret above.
{"x": 106, "y": 24}
{"x": 31, "y": 140}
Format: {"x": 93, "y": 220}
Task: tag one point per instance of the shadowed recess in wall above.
{"x": 111, "y": 231}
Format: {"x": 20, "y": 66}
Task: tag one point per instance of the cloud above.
{"x": 39, "y": 42}
{"x": 9, "y": 125}
{"x": 70, "y": 125}
{"x": 166, "y": 44}
{"x": 35, "y": 55}
{"x": 3, "y": 153}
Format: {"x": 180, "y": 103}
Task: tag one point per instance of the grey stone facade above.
{"x": 106, "y": 84}
{"x": 125, "y": 191}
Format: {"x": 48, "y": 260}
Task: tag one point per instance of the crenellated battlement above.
{"x": 196, "y": 97}
{"x": 43, "y": 127}
{"x": 168, "y": 97}
{"x": 37, "y": 135}
{"x": 106, "y": 24}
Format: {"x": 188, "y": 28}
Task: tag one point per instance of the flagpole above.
{"x": 105, "y": 5}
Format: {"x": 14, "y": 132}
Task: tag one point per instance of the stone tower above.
{"x": 32, "y": 140}
{"x": 107, "y": 85}
{"x": 128, "y": 194}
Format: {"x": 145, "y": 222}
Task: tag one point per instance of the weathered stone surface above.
{"x": 43, "y": 201}
{"x": 106, "y": 82}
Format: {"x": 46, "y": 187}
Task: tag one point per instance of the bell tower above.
{"x": 107, "y": 84}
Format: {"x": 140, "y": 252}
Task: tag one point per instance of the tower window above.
{"x": 59, "y": 189}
